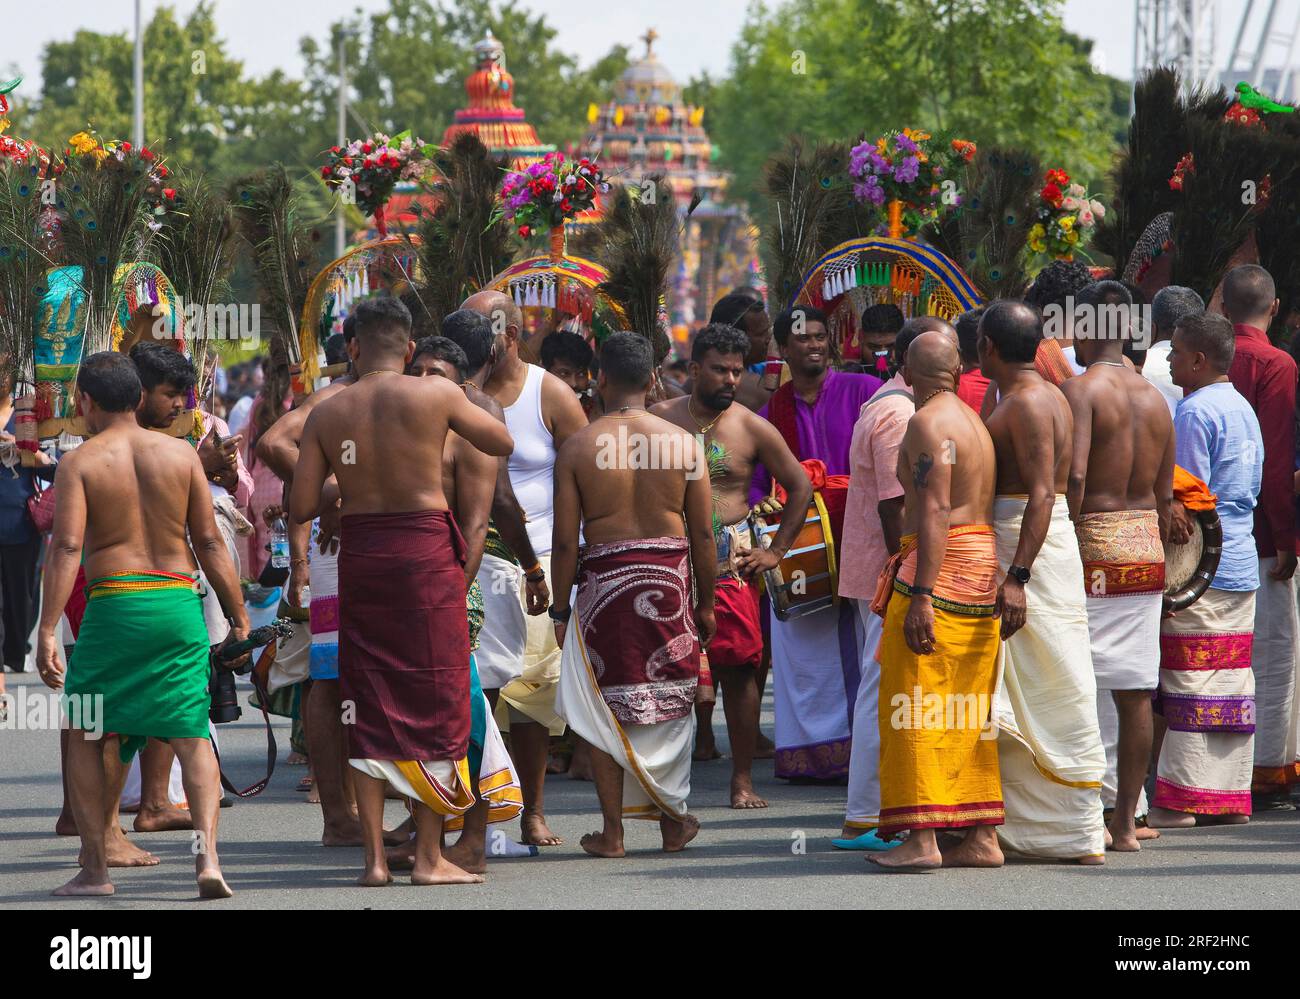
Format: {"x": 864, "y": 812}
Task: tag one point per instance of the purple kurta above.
{"x": 815, "y": 665}
{"x": 825, "y": 428}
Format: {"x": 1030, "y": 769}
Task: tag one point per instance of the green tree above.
{"x": 1001, "y": 71}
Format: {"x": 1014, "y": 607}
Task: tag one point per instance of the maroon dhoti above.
{"x": 638, "y": 626}
{"x": 403, "y": 636}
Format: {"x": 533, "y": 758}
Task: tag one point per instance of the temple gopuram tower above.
{"x": 647, "y": 130}
{"x": 492, "y": 114}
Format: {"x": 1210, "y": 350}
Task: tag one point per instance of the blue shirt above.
{"x": 1218, "y": 441}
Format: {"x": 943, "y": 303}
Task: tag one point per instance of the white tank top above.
{"x": 532, "y": 465}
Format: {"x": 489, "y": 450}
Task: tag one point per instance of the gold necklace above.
{"x": 380, "y": 371}
{"x": 931, "y": 396}
{"x": 623, "y": 413}
{"x": 704, "y": 429}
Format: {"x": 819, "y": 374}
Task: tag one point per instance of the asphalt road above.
{"x": 775, "y": 858}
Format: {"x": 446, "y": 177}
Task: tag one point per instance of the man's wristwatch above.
{"x": 560, "y": 617}
{"x": 1019, "y": 573}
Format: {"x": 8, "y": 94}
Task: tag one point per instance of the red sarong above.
{"x": 739, "y": 639}
{"x": 403, "y": 636}
{"x": 634, "y": 606}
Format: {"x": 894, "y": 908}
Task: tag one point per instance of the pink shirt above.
{"x": 873, "y": 470}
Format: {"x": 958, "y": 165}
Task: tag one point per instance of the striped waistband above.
{"x": 138, "y": 582}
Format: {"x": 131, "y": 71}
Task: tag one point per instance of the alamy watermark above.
{"x": 224, "y": 321}
{"x": 33, "y": 709}
{"x": 1075, "y": 320}
{"x": 930, "y": 711}
{"x": 637, "y": 451}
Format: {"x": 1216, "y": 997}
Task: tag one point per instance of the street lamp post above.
{"x": 340, "y": 226}
{"x": 138, "y": 131}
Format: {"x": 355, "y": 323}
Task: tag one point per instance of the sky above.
{"x": 694, "y": 36}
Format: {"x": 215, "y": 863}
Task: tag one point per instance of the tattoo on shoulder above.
{"x": 921, "y": 470}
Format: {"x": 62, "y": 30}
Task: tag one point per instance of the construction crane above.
{"x": 1265, "y": 48}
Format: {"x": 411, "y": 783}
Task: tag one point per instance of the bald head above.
{"x": 933, "y": 358}
{"x": 500, "y": 308}
{"x": 931, "y": 324}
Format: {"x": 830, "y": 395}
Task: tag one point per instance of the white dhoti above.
{"x": 815, "y": 669}
{"x": 657, "y": 757}
{"x": 1273, "y": 661}
{"x": 500, "y": 653}
{"x": 863, "y": 810}
{"x": 1049, "y": 741}
{"x": 532, "y": 692}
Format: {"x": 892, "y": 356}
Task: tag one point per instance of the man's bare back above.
{"x": 141, "y": 490}
{"x": 1123, "y": 440}
{"x": 620, "y": 502}
{"x": 383, "y": 440}
{"x": 1031, "y": 424}
{"x": 947, "y": 431}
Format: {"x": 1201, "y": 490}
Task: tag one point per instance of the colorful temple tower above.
{"x": 492, "y": 114}
{"x": 648, "y": 130}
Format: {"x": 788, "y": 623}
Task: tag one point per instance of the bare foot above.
{"x": 677, "y": 834}
{"x": 742, "y": 794}
{"x": 345, "y": 833}
{"x": 970, "y": 852}
{"x": 598, "y": 845}
{"x": 910, "y": 855}
{"x": 213, "y": 885}
{"x": 375, "y": 876}
{"x": 1143, "y": 833}
{"x": 536, "y": 832}
{"x": 121, "y": 852}
{"x": 295, "y": 759}
{"x": 706, "y": 747}
{"x": 558, "y": 763}
{"x": 399, "y": 834}
{"x": 443, "y": 873}
{"x": 401, "y": 858}
{"x": 1091, "y": 860}
{"x": 82, "y": 885}
{"x": 1123, "y": 840}
{"x": 466, "y": 856}
{"x": 764, "y": 748}
{"x": 162, "y": 819}
{"x": 65, "y": 825}
{"x": 313, "y": 795}
{"x": 1167, "y": 818}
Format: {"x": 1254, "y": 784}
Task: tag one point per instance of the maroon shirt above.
{"x": 1266, "y": 377}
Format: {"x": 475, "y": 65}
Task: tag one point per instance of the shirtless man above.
{"x": 734, "y": 439}
{"x": 1049, "y": 744}
{"x": 541, "y": 413}
{"x": 940, "y": 613}
{"x": 383, "y": 439}
{"x": 128, "y": 496}
{"x": 278, "y": 447}
{"x": 647, "y": 532}
{"x": 1121, "y": 499}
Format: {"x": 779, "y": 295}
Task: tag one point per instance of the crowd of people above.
{"x": 504, "y": 546}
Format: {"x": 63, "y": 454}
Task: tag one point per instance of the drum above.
{"x": 1190, "y": 568}
{"x": 806, "y": 580}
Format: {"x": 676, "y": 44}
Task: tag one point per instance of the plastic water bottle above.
{"x": 279, "y": 544}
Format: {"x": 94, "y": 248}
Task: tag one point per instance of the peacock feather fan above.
{"x": 638, "y": 238}
{"x": 196, "y": 250}
{"x": 23, "y": 264}
{"x": 1277, "y": 238}
{"x": 1157, "y": 140}
{"x": 106, "y": 214}
{"x": 1216, "y": 210}
{"x": 986, "y": 234}
{"x": 266, "y": 213}
{"x": 801, "y": 219}
{"x": 461, "y": 247}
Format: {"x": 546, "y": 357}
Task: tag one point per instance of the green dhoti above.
{"x": 143, "y": 647}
